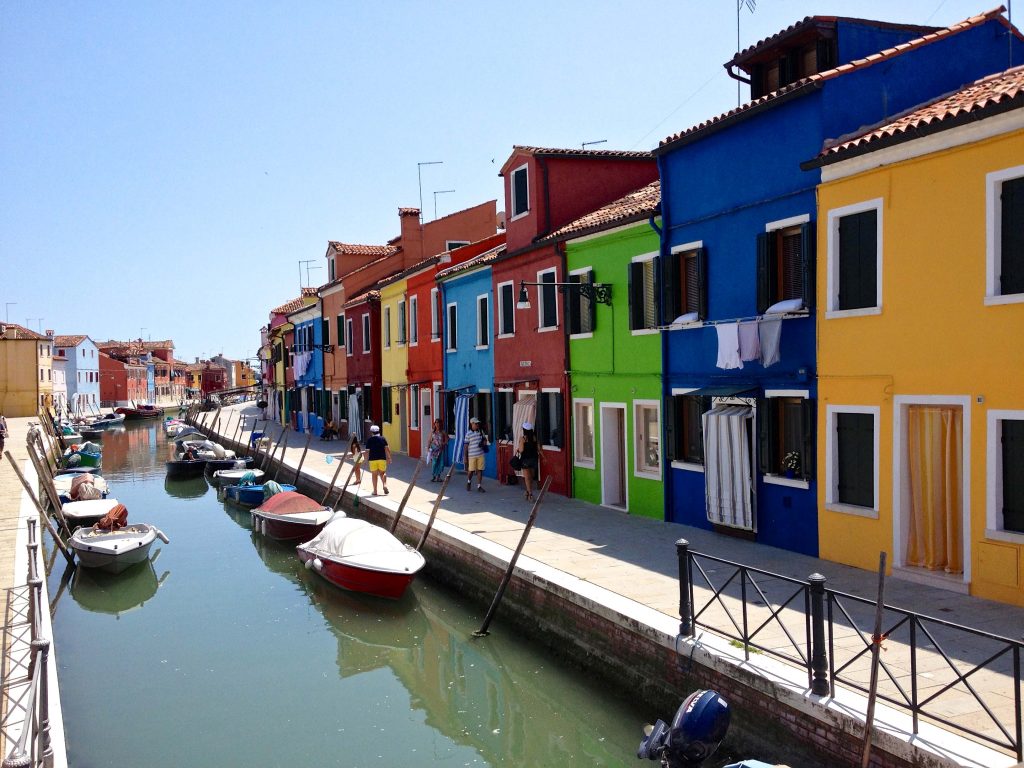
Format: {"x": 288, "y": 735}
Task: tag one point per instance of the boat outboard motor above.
{"x": 697, "y": 729}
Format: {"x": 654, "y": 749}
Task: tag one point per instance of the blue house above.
{"x": 468, "y": 341}
{"x": 307, "y": 364}
{"x": 734, "y": 288}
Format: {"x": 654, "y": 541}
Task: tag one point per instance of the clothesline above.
{"x": 705, "y": 323}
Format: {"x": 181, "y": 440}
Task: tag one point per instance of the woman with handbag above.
{"x": 435, "y": 451}
{"x": 529, "y": 455}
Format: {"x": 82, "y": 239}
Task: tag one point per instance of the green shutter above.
{"x": 764, "y": 281}
{"x": 1013, "y": 474}
{"x": 1011, "y": 267}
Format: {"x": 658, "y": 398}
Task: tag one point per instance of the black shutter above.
{"x": 807, "y": 262}
{"x": 1011, "y": 267}
{"x": 858, "y": 249}
{"x": 1013, "y": 474}
{"x": 590, "y": 307}
{"x": 559, "y": 437}
{"x": 765, "y": 436}
{"x": 764, "y": 249}
{"x": 826, "y": 55}
{"x": 636, "y": 295}
{"x": 326, "y": 338}
{"x": 671, "y": 287}
{"x": 669, "y": 410}
{"x": 701, "y": 263}
{"x": 809, "y": 453}
{"x": 575, "y": 324}
{"x": 855, "y": 459}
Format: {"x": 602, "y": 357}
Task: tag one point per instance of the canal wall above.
{"x": 637, "y": 649}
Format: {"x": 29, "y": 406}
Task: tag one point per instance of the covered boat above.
{"x": 141, "y": 412}
{"x": 362, "y": 557}
{"x": 112, "y": 544}
{"x": 215, "y": 465}
{"x": 234, "y": 476}
{"x": 291, "y": 516}
{"x": 254, "y": 494}
{"x": 83, "y": 455}
{"x": 80, "y": 486}
{"x": 87, "y": 512}
{"x": 107, "y": 420}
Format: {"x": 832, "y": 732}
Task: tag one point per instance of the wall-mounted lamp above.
{"x": 599, "y": 292}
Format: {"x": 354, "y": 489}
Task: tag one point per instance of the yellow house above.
{"x": 394, "y": 362}
{"x": 25, "y": 370}
{"x": 920, "y": 357}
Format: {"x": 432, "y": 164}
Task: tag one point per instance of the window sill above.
{"x": 852, "y": 509}
{"x": 551, "y": 448}
{"x": 644, "y": 331}
{"x": 836, "y": 314}
{"x": 1010, "y": 537}
{"x": 478, "y": 347}
{"x": 1010, "y": 298}
{"x": 519, "y": 216}
{"x": 789, "y": 482}
{"x": 451, "y": 350}
{"x": 506, "y": 336}
{"x": 644, "y": 474}
{"x": 585, "y": 464}
{"x": 581, "y": 335}
{"x": 547, "y": 329}
{"x": 688, "y": 466}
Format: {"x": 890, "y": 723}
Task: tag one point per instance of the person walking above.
{"x": 3, "y": 434}
{"x": 529, "y": 453}
{"x": 354, "y": 449}
{"x": 476, "y": 446}
{"x": 379, "y": 453}
{"x": 435, "y": 451}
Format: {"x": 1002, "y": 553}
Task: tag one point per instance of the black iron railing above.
{"x": 829, "y": 634}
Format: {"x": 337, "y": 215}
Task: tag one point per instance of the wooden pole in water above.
{"x": 341, "y": 496}
{"x": 46, "y": 481}
{"x": 512, "y": 563}
{"x": 341, "y": 463}
{"x": 302, "y": 459}
{"x": 45, "y": 454}
{"x": 271, "y": 446}
{"x": 39, "y": 507}
{"x": 437, "y": 505}
{"x": 408, "y": 493}
{"x": 237, "y": 433}
{"x": 283, "y": 443}
{"x": 876, "y": 646}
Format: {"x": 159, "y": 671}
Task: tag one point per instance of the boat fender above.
{"x": 318, "y": 563}
{"x": 309, "y": 563}
{"x": 162, "y": 536}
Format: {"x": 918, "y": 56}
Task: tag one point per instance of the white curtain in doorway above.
{"x": 727, "y": 466}
{"x": 355, "y": 420}
{"x": 523, "y": 410}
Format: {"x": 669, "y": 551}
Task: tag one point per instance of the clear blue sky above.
{"x": 165, "y": 166}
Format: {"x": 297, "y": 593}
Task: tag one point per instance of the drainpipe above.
{"x": 567, "y": 380}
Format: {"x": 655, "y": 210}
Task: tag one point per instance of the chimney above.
{"x": 49, "y": 332}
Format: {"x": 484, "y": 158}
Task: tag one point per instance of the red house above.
{"x": 362, "y": 314}
{"x": 546, "y": 189}
{"x": 122, "y": 381}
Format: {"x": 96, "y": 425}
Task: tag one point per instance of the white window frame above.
{"x": 386, "y": 327}
{"x": 435, "y": 321}
{"x": 482, "y": 300}
{"x": 505, "y": 333}
{"x": 451, "y": 245}
{"x": 552, "y": 391}
{"x": 832, "y": 504}
{"x": 993, "y": 236}
{"x": 414, "y": 322}
{"x": 803, "y": 394}
{"x": 349, "y": 333}
{"x": 577, "y": 459}
{"x": 451, "y": 325}
{"x": 541, "y": 328}
{"x": 525, "y": 168}
{"x": 366, "y": 332}
{"x": 832, "y": 259}
{"x": 402, "y": 337}
{"x": 645, "y": 257}
{"x": 994, "y": 475}
{"x": 638, "y": 471}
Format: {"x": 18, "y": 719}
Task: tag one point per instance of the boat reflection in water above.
{"x": 116, "y": 594}
{"x": 187, "y": 488}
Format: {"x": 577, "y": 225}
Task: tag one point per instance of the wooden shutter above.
{"x": 588, "y": 313}
{"x": 1011, "y": 267}
{"x": 671, "y": 286}
{"x": 855, "y": 449}
{"x": 669, "y": 411}
{"x": 858, "y": 249}
{"x": 765, "y": 436}
{"x": 807, "y": 262}
{"x": 764, "y": 281}
{"x": 700, "y": 269}
{"x": 636, "y": 295}
{"x": 573, "y": 305}
{"x": 1013, "y": 474}
{"x": 810, "y": 447}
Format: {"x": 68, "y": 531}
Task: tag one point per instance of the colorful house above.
{"x": 23, "y": 373}
{"x": 307, "y": 392}
{"x": 468, "y": 341}
{"x": 545, "y": 189}
{"x": 394, "y": 362}
{"x": 734, "y": 287}
{"x": 923, "y": 418}
{"x": 122, "y": 380}
{"x": 615, "y": 372}
{"x": 82, "y": 370}
{"x": 278, "y": 350}
{"x": 363, "y": 399}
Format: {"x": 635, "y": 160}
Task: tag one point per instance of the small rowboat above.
{"x": 141, "y": 412}
{"x": 87, "y": 512}
{"x": 291, "y": 516}
{"x": 250, "y": 495}
{"x": 115, "y": 551}
{"x": 234, "y": 476}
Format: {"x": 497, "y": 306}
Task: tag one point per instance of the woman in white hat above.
{"x": 529, "y": 453}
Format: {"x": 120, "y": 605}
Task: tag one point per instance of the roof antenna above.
{"x": 751, "y": 4}
{"x": 586, "y": 144}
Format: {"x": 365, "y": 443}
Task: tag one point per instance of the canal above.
{"x": 224, "y": 651}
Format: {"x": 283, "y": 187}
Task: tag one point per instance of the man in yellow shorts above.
{"x": 379, "y": 454}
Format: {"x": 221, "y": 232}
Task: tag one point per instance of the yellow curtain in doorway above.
{"x": 935, "y": 464}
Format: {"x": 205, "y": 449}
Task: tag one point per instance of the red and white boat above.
{"x": 362, "y": 557}
{"x": 291, "y": 516}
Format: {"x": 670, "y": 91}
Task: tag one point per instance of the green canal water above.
{"x": 224, "y": 651}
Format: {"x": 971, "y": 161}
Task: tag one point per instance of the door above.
{"x": 613, "y": 455}
{"x": 728, "y": 466}
{"x": 426, "y": 419}
{"x": 403, "y": 420}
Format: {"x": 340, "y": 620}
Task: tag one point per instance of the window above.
{"x": 414, "y": 321}
{"x": 785, "y": 432}
{"x": 684, "y": 284}
{"x": 648, "y": 438}
{"x": 414, "y": 406}
{"x": 435, "y": 315}
{"x": 326, "y": 331}
{"x": 547, "y": 304}
{"x": 1004, "y": 269}
{"x": 520, "y": 192}
{"x": 855, "y": 257}
{"x": 341, "y": 341}
{"x": 506, "y": 309}
{"x": 684, "y": 427}
{"x": 451, "y": 245}
{"x": 1005, "y": 460}
{"x": 503, "y": 415}
{"x": 480, "y": 407}
{"x": 386, "y": 403}
{"x": 482, "y": 323}
{"x": 785, "y": 264}
{"x": 583, "y": 433}
{"x": 580, "y": 314}
{"x": 387, "y": 327}
{"x": 401, "y": 321}
{"x": 330, "y": 270}
{"x": 643, "y": 308}
{"x": 852, "y": 450}
{"x": 348, "y": 337}
{"x": 366, "y": 334}
{"x": 549, "y": 419}
{"x": 453, "y": 318}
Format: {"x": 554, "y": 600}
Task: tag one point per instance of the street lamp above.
{"x": 598, "y": 292}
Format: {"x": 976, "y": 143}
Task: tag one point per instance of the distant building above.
{"x": 26, "y": 374}
{"x": 82, "y": 370}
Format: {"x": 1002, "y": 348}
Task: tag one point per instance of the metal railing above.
{"x": 829, "y": 634}
{"x": 26, "y": 721}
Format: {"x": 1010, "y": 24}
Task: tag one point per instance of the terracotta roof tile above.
{"x": 408, "y": 211}
{"x": 989, "y": 95}
{"x": 372, "y": 295}
{"x": 554, "y": 152}
{"x": 820, "y": 77}
{"x": 640, "y": 203}
{"x": 296, "y": 303}
{"x": 15, "y": 331}
{"x": 69, "y": 341}
{"x": 484, "y": 258}
{"x": 354, "y": 249}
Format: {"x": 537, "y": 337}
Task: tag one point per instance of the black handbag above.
{"x": 516, "y": 462}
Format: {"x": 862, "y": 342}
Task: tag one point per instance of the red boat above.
{"x": 362, "y": 557}
{"x": 291, "y": 516}
{"x": 141, "y": 412}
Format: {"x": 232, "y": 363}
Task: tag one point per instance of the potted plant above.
{"x": 791, "y": 463}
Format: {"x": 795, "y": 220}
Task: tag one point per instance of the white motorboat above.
{"x": 115, "y": 551}
{"x": 234, "y": 476}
